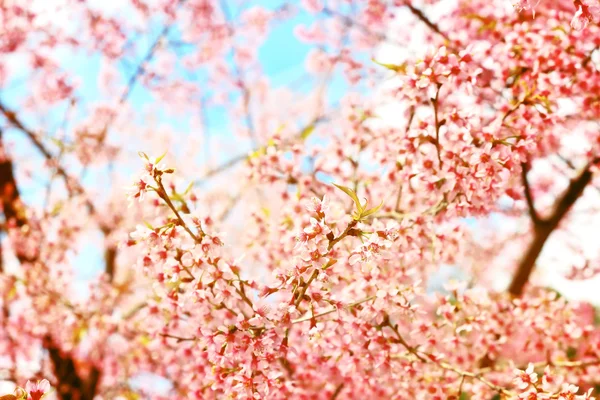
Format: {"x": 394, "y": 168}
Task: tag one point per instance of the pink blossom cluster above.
{"x": 312, "y": 265}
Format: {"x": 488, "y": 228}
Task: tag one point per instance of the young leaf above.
{"x": 188, "y": 188}
{"x": 371, "y": 211}
{"x": 352, "y": 195}
{"x": 159, "y": 159}
{"x": 261, "y": 151}
{"x": 306, "y": 132}
{"x": 400, "y": 68}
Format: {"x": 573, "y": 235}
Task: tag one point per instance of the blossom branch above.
{"x": 162, "y": 193}
{"x": 332, "y": 310}
{"x": 64, "y": 366}
{"x": 227, "y": 165}
{"x": 246, "y": 95}
{"x": 443, "y": 365}
{"x": 349, "y": 22}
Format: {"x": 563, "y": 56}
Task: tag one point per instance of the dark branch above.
{"x": 72, "y": 186}
{"x": 525, "y": 167}
{"x": 337, "y": 392}
{"x": 71, "y": 386}
{"x": 11, "y": 201}
{"x": 544, "y": 228}
{"x": 110, "y": 255}
{"x": 423, "y": 18}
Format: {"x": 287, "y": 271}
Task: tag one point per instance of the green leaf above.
{"x": 496, "y": 397}
{"x": 145, "y": 340}
{"x": 59, "y": 143}
{"x": 571, "y": 353}
{"x": 148, "y": 225}
{"x": 352, "y": 195}
{"x": 596, "y": 317}
{"x": 371, "y": 211}
{"x": 143, "y": 155}
{"x": 12, "y": 292}
{"x": 463, "y": 396}
{"x": 177, "y": 197}
{"x": 399, "y": 68}
{"x": 159, "y": 159}
{"x": 79, "y": 333}
{"x": 188, "y": 188}
{"x": 306, "y": 132}
{"x": 56, "y": 209}
{"x": 259, "y": 152}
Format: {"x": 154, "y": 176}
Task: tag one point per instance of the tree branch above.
{"x": 9, "y": 192}
{"x": 525, "y": 167}
{"x": 70, "y": 184}
{"x": 71, "y": 386}
{"x": 110, "y": 255}
{"x": 543, "y": 229}
{"x": 423, "y": 18}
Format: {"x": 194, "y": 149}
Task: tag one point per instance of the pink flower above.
{"x": 568, "y": 392}
{"x": 257, "y": 18}
{"x": 318, "y": 207}
{"x": 533, "y": 395}
{"x": 312, "y": 6}
{"x": 37, "y": 390}
{"x": 525, "y": 378}
{"x": 549, "y": 381}
{"x": 521, "y": 5}
{"x": 587, "y": 11}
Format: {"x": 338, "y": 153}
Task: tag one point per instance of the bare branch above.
{"x": 349, "y": 22}
{"x": 9, "y": 193}
{"x": 71, "y": 386}
{"x": 525, "y": 167}
{"x": 438, "y": 124}
{"x": 423, "y": 18}
{"x": 242, "y": 157}
{"x": 72, "y": 186}
{"x": 337, "y": 392}
{"x": 543, "y": 229}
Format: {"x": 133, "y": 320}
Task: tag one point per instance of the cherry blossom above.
{"x": 394, "y": 221}
{"x": 37, "y": 390}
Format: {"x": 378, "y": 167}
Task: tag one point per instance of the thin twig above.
{"x": 163, "y": 195}
{"x": 423, "y": 18}
{"x": 438, "y": 125}
{"x": 337, "y": 392}
{"x": 528, "y": 194}
{"x": 332, "y": 310}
